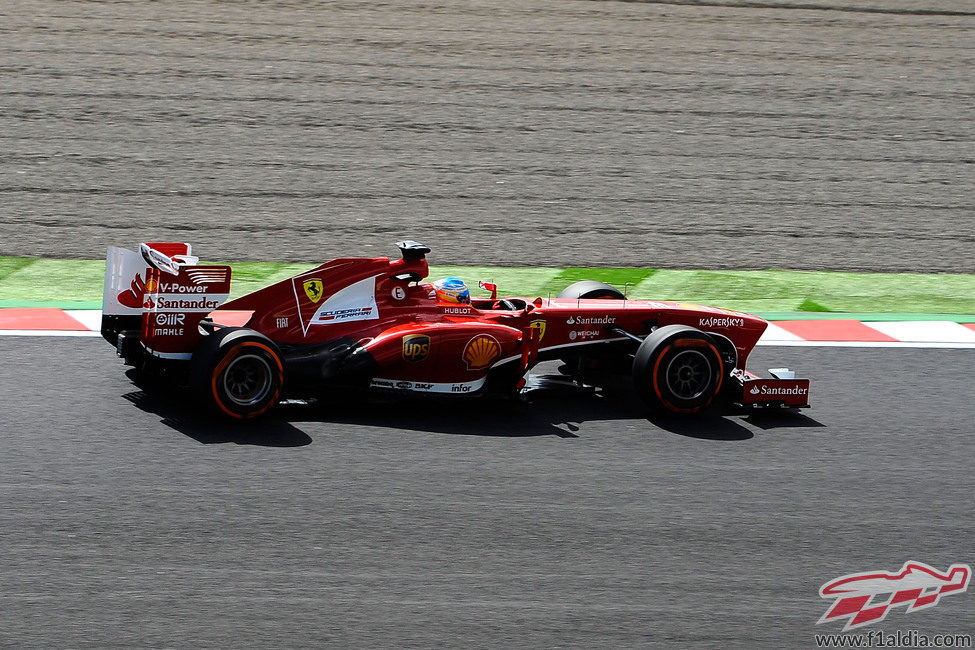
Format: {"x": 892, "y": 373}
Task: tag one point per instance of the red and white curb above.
{"x": 855, "y": 333}
{"x": 49, "y": 321}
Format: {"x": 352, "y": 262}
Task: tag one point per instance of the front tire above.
{"x": 239, "y": 371}
{"x": 586, "y": 289}
{"x": 678, "y": 369}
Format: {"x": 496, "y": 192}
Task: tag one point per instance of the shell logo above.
{"x": 481, "y": 351}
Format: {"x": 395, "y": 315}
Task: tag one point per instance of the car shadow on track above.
{"x": 707, "y": 426}
{"x": 180, "y": 414}
{"x": 493, "y": 417}
{"x": 723, "y": 423}
{"x": 782, "y": 420}
{"x": 540, "y": 413}
{"x": 540, "y": 416}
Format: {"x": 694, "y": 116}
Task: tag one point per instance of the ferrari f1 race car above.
{"x": 373, "y": 323}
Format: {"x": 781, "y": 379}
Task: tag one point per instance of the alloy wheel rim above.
{"x": 688, "y": 374}
{"x": 247, "y": 379}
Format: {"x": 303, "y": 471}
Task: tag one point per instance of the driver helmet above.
{"x": 452, "y": 290}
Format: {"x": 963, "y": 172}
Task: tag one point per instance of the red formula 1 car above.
{"x": 374, "y": 323}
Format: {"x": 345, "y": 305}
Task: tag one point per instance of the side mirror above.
{"x": 490, "y": 286}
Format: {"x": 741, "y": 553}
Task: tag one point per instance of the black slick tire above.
{"x": 678, "y": 369}
{"x": 587, "y": 289}
{"x": 239, "y": 371}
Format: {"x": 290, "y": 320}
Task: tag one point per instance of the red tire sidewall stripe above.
{"x": 233, "y": 354}
{"x": 656, "y": 384}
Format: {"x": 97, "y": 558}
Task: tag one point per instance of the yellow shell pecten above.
{"x": 481, "y": 351}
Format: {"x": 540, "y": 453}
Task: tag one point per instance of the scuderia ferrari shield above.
{"x": 354, "y": 302}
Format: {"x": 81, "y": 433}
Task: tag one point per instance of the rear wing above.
{"x": 160, "y": 294}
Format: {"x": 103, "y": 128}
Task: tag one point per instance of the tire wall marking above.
{"x": 226, "y": 361}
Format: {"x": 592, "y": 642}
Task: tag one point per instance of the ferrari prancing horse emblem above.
{"x": 314, "y": 289}
{"x": 540, "y": 326}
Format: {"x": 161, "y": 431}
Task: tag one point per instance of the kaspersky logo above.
{"x": 866, "y": 598}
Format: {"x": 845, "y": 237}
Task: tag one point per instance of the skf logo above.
{"x": 416, "y": 347}
{"x": 540, "y": 326}
{"x": 314, "y": 289}
{"x": 916, "y": 585}
{"x": 481, "y": 351}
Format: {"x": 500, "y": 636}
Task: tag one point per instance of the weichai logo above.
{"x": 416, "y": 347}
{"x": 866, "y": 598}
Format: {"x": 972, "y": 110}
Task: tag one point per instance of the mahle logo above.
{"x": 416, "y": 347}
{"x": 865, "y": 598}
{"x": 314, "y": 289}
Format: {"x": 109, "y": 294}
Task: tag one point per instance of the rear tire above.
{"x": 239, "y": 371}
{"x": 587, "y": 289}
{"x": 678, "y": 369}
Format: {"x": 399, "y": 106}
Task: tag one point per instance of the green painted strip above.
{"x": 775, "y": 294}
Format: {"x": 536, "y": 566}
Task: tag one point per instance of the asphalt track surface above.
{"x": 127, "y": 521}
{"x": 831, "y": 134}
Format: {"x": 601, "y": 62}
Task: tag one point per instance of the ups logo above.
{"x": 416, "y": 347}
